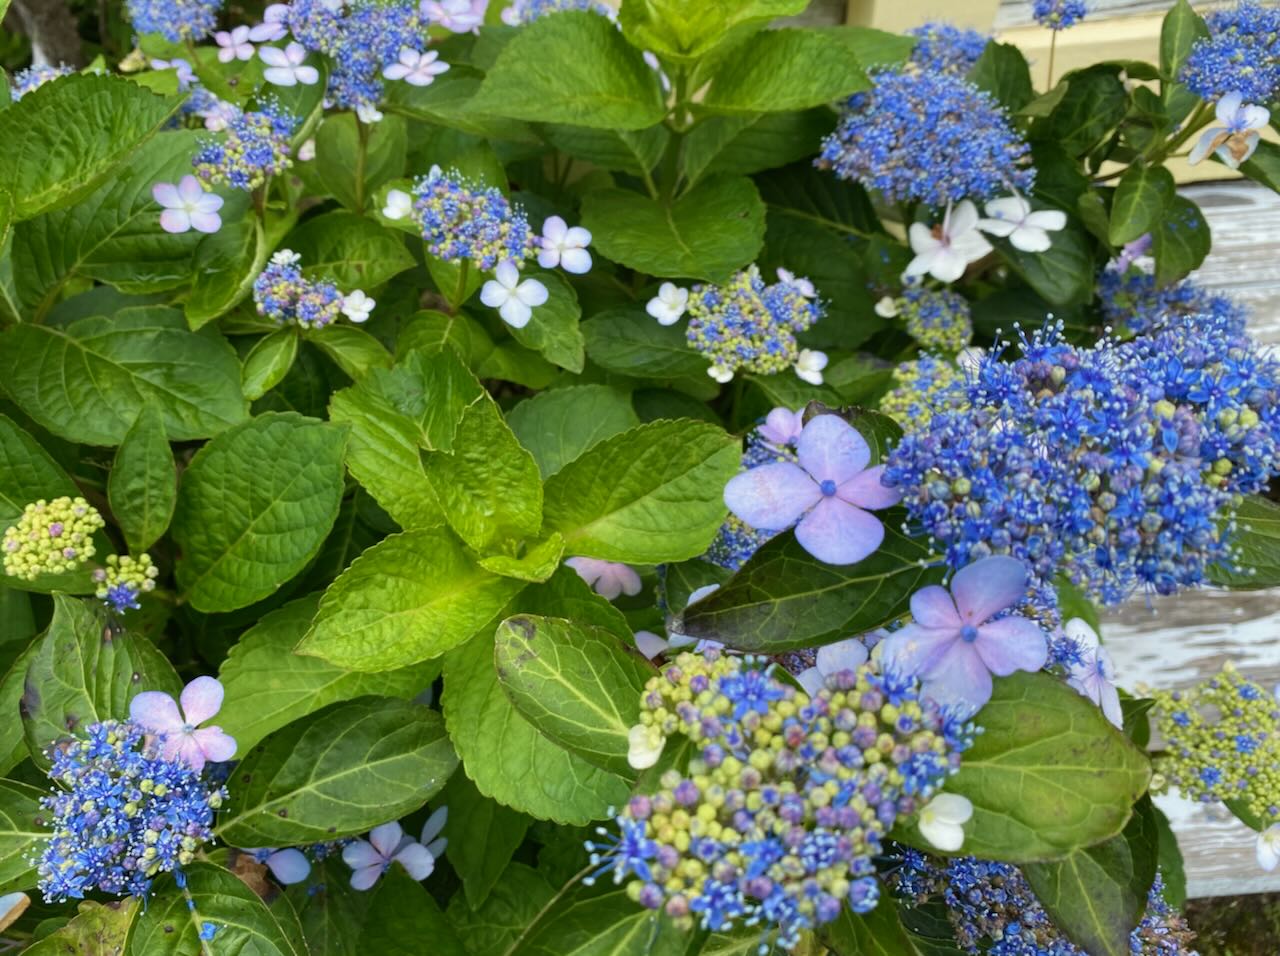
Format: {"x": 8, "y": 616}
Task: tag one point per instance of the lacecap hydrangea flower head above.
{"x": 787, "y": 798}
{"x": 122, "y": 814}
{"x": 520, "y": 12}
{"x": 280, "y": 292}
{"x": 1240, "y": 55}
{"x": 1118, "y": 465}
{"x": 34, "y": 77}
{"x": 945, "y": 48}
{"x": 749, "y": 325}
{"x": 1222, "y": 742}
{"x": 253, "y": 148}
{"x": 927, "y": 136}
{"x": 51, "y": 537}
{"x": 175, "y": 20}
{"x": 993, "y": 910}
{"x": 462, "y": 221}
{"x": 362, "y": 39}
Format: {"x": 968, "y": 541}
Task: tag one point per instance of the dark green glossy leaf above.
{"x": 1257, "y": 543}
{"x": 143, "y": 485}
{"x": 482, "y": 834}
{"x": 336, "y": 773}
{"x": 1181, "y": 28}
{"x": 1003, "y": 72}
{"x": 784, "y": 598}
{"x": 1180, "y": 240}
{"x": 1142, "y": 197}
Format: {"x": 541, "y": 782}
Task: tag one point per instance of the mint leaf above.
{"x": 336, "y": 773}
{"x": 88, "y": 382}
{"x": 708, "y": 233}
{"x": 651, "y": 494}
{"x": 255, "y": 505}
{"x": 411, "y": 597}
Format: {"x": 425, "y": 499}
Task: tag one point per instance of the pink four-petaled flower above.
{"x": 157, "y": 713}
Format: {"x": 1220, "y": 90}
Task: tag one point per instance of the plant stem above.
{"x": 362, "y": 150}
{"x": 1053, "y": 49}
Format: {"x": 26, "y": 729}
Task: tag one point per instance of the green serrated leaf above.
{"x": 559, "y": 425}
{"x": 573, "y": 68}
{"x": 1181, "y": 28}
{"x": 353, "y": 350}
{"x": 112, "y": 235}
{"x": 598, "y": 920}
{"x": 1098, "y": 894}
{"x": 685, "y": 31}
{"x": 448, "y": 102}
{"x": 1143, "y": 196}
{"x": 630, "y": 342}
{"x": 21, "y": 828}
{"x": 225, "y": 266}
{"x": 167, "y": 927}
{"x": 65, "y": 138}
{"x": 502, "y": 753}
{"x": 483, "y": 835}
{"x": 651, "y": 494}
{"x": 268, "y": 686}
{"x": 1063, "y": 275}
{"x": 1094, "y": 104}
{"x": 352, "y": 251}
{"x": 97, "y": 929}
{"x": 787, "y": 69}
{"x": 88, "y": 381}
{"x": 490, "y": 928}
{"x": 554, "y": 330}
{"x": 142, "y": 487}
{"x": 1180, "y": 240}
{"x": 1049, "y": 774}
{"x": 337, "y": 772}
{"x": 575, "y": 684}
{"x": 746, "y": 144}
{"x": 628, "y": 151}
{"x": 488, "y": 484}
{"x": 409, "y": 598}
{"x": 1257, "y": 544}
{"x": 350, "y": 175}
{"x": 268, "y": 362}
{"x": 255, "y": 505}
{"x": 1003, "y": 72}
{"x": 784, "y": 598}
{"x": 537, "y": 563}
{"x": 710, "y": 231}
{"x": 80, "y": 674}
{"x": 394, "y": 415}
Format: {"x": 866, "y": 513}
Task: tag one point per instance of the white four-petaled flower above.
{"x": 273, "y": 26}
{"x": 1011, "y": 218}
{"x": 564, "y": 246}
{"x": 669, "y": 304}
{"x": 1093, "y": 675}
{"x": 1268, "y": 847}
{"x": 233, "y": 45}
{"x": 945, "y": 251}
{"x": 942, "y": 821}
{"x": 800, "y": 284}
{"x": 416, "y": 69}
{"x": 514, "y": 300}
{"x": 1236, "y": 139}
{"x": 356, "y": 306}
{"x": 809, "y": 365}
{"x": 187, "y": 206}
{"x": 286, "y": 67}
{"x": 399, "y": 204}
{"x": 456, "y": 16}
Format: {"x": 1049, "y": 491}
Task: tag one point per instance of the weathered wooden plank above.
{"x": 1177, "y": 641}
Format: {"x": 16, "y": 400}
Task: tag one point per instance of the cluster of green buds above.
{"x": 786, "y": 798}
{"x": 920, "y": 387}
{"x": 123, "y": 579}
{"x": 51, "y": 537}
{"x": 1221, "y": 743}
